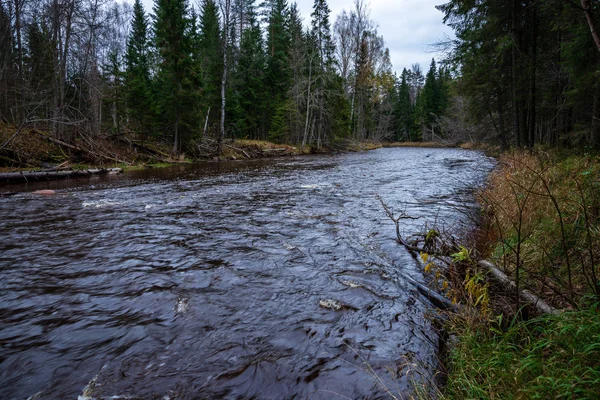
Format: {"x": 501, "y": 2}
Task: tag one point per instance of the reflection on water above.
{"x": 265, "y": 279}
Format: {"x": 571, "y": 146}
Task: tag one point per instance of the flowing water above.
{"x": 262, "y": 279}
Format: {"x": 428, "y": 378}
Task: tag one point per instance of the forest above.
{"x": 187, "y": 80}
{"x": 517, "y": 73}
{"x": 528, "y": 71}
{"x": 193, "y": 75}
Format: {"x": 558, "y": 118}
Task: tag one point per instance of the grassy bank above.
{"x": 545, "y": 357}
{"x": 541, "y": 214}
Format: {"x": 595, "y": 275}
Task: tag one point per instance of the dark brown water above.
{"x": 206, "y": 281}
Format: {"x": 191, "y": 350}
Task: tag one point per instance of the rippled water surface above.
{"x": 210, "y": 281}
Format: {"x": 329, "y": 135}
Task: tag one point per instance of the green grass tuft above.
{"x": 547, "y": 357}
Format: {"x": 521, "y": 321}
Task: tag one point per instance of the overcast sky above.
{"x": 409, "y": 27}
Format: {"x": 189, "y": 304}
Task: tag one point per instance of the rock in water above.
{"x": 332, "y": 304}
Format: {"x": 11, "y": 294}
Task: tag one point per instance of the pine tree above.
{"x": 137, "y": 76}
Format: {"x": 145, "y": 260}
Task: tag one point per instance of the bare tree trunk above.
{"x": 18, "y": 28}
{"x": 226, "y": 9}
{"x": 532, "y": 80}
{"x": 206, "y": 122}
{"x": 515, "y": 97}
{"x": 176, "y": 139}
{"x": 304, "y": 139}
{"x": 587, "y": 9}
{"x": 596, "y": 119}
{"x": 63, "y": 51}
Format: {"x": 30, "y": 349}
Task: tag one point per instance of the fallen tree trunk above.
{"x": 525, "y": 294}
{"x": 242, "y": 151}
{"x": 27, "y": 176}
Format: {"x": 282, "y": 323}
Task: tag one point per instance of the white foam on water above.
{"x": 100, "y": 203}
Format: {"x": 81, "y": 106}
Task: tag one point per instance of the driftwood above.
{"x": 27, "y": 176}
{"x": 157, "y": 154}
{"x": 235, "y": 148}
{"x": 525, "y": 294}
{"x": 441, "y": 301}
{"x": 434, "y": 297}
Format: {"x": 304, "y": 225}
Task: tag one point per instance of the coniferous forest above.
{"x": 183, "y": 74}
{"x": 517, "y": 73}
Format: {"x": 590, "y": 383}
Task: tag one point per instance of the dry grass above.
{"x": 543, "y": 212}
{"x": 431, "y": 145}
{"x": 25, "y": 148}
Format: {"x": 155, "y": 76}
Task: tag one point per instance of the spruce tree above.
{"x": 302, "y": 61}
{"x": 137, "y": 76}
{"x": 404, "y": 109}
{"x": 324, "y": 76}
{"x": 278, "y": 71}
{"x": 427, "y": 108}
{"x": 176, "y": 100}
{"x": 211, "y": 60}
{"x": 39, "y": 62}
{"x": 321, "y": 29}
{"x": 248, "y": 80}
{"x": 278, "y": 46}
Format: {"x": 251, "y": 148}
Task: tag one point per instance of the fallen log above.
{"x": 525, "y": 294}
{"x": 46, "y": 175}
{"x": 237, "y": 149}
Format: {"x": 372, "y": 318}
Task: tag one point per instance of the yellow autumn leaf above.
{"x": 428, "y": 267}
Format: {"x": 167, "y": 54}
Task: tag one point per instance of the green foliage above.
{"x": 40, "y": 60}
{"x": 548, "y": 357}
{"x": 433, "y": 101}
{"x": 525, "y": 65}
{"x": 403, "y": 111}
{"x": 248, "y": 80}
{"x": 209, "y": 62}
{"x": 137, "y": 74}
{"x": 278, "y": 47}
{"x": 279, "y": 127}
{"x": 176, "y": 98}
{"x": 464, "y": 255}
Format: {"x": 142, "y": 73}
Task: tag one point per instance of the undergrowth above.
{"x": 541, "y": 213}
{"x": 546, "y": 357}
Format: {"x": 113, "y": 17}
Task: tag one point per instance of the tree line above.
{"x": 224, "y": 69}
{"x": 529, "y": 71}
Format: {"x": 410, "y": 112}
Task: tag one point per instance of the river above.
{"x": 216, "y": 280}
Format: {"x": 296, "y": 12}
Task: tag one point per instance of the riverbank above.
{"x": 34, "y": 150}
{"x": 539, "y": 225}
